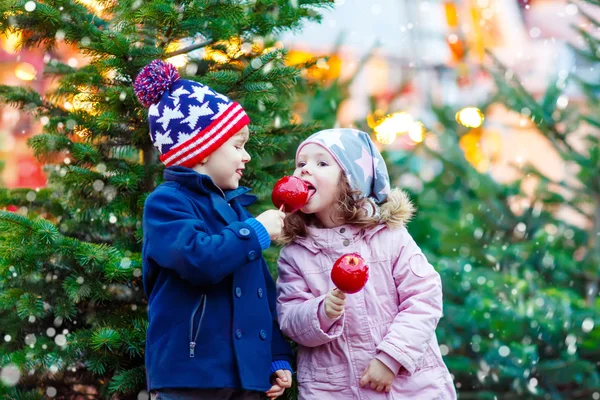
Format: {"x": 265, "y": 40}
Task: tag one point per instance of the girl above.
{"x": 379, "y": 343}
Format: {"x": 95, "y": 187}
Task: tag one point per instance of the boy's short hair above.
{"x": 188, "y": 120}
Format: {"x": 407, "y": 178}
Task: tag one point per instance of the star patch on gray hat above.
{"x": 357, "y": 155}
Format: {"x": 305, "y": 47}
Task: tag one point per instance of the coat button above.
{"x": 342, "y": 230}
{"x": 238, "y": 292}
{"x": 346, "y": 242}
{"x": 244, "y": 232}
{"x": 260, "y": 293}
{"x": 263, "y": 334}
{"x": 238, "y": 334}
{"x": 252, "y": 255}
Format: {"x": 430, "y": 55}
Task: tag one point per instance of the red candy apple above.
{"x": 350, "y": 273}
{"x": 291, "y": 192}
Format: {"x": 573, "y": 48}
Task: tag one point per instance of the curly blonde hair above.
{"x": 354, "y": 208}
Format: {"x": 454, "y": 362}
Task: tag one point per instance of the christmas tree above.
{"x": 520, "y": 274}
{"x": 71, "y": 300}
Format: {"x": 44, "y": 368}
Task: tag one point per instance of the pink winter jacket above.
{"x": 393, "y": 318}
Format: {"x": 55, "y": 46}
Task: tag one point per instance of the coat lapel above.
{"x": 223, "y": 209}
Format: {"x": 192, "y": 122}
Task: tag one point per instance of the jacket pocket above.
{"x": 326, "y": 379}
{"x": 428, "y": 361}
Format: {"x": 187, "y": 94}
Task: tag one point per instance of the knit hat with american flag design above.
{"x": 188, "y": 120}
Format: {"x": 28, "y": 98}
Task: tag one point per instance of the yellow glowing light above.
{"x": 84, "y": 102}
{"x": 93, "y": 5}
{"x": 471, "y": 117}
{"x": 471, "y": 144}
{"x": 397, "y": 123}
{"x": 323, "y": 69}
{"x": 180, "y": 60}
{"x": 225, "y": 50}
{"x": 82, "y": 132}
{"x": 10, "y": 43}
{"x": 374, "y": 118}
{"x": 417, "y": 132}
{"x": 25, "y": 71}
{"x": 386, "y": 137}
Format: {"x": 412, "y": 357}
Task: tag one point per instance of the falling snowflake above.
{"x": 30, "y": 6}
{"x": 587, "y": 325}
{"x": 60, "y": 340}
{"x": 10, "y": 375}
{"x": 504, "y": 351}
{"x": 30, "y": 339}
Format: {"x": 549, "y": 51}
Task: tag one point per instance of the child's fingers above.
{"x": 388, "y": 388}
{"x": 364, "y": 379}
{"x": 275, "y": 394}
{"x": 274, "y": 389}
{"x": 339, "y": 294}
{"x": 284, "y": 378}
{"x": 281, "y": 374}
{"x": 336, "y": 300}
{"x": 284, "y": 384}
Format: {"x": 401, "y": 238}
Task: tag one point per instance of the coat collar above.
{"x": 196, "y": 182}
{"x": 220, "y": 199}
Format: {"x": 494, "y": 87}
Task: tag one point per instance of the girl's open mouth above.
{"x": 311, "y": 190}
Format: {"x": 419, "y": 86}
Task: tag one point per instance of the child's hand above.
{"x": 272, "y": 220}
{"x": 283, "y": 380}
{"x": 334, "y": 303}
{"x": 378, "y": 375}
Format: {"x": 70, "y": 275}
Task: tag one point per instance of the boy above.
{"x": 212, "y": 330}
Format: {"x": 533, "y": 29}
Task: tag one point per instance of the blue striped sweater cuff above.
{"x": 280, "y": 364}
{"x": 261, "y": 232}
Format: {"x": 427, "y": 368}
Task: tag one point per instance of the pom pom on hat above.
{"x": 154, "y": 80}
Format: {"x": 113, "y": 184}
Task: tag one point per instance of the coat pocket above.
{"x": 326, "y": 379}
{"x": 428, "y": 361}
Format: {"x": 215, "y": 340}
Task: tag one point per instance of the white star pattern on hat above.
{"x": 331, "y": 138}
{"x": 195, "y": 112}
{"x": 184, "y": 137}
{"x": 153, "y": 111}
{"x": 162, "y": 139}
{"x": 168, "y": 115}
{"x": 175, "y": 95}
{"x": 200, "y": 92}
{"x": 222, "y": 108}
{"x": 222, "y": 97}
{"x": 365, "y": 162}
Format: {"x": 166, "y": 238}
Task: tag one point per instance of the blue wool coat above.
{"x": 212, "y": 317}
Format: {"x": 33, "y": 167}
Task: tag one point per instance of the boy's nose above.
{"x": 246, "y": 157}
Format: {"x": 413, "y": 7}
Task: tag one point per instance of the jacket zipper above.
{"x": 201, "y": 302}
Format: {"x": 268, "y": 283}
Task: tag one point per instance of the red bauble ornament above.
{"x": 12, "y": 208}
{"x": 350, "y": 273}
{"x": 291, "y": 192}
